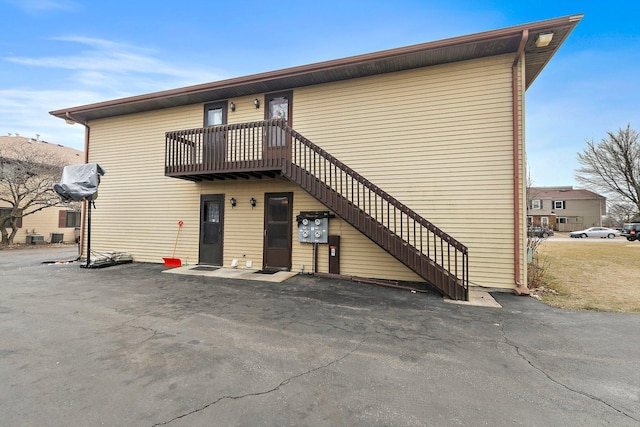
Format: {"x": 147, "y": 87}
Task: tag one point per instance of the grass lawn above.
{"x": 592, "y": 274}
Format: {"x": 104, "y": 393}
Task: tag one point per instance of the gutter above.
{"x": 520, "y": 289}
{"x": 87, "y": 132}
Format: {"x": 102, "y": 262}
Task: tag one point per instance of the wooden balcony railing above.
{"x": 230, "y": 149}
{"x": 261, "y": 147}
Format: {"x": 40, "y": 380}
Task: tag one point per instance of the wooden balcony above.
{"x": 235, "y": 151}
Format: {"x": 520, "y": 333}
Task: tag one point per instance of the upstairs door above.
{"x": 211, "y": 229}
{"x": 277, "y": 231}
{"x": 214, "y": 149}
{"x": 278, "y": 106}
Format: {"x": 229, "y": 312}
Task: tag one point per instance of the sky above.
{"x": 56, "y": 54}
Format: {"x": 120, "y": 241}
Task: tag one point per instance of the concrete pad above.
{"x": 478, "y": 298}
{"x": 233, "y": 273}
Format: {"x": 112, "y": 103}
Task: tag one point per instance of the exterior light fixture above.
{"x": 256, "y": 102}
{"x": 252, "y": 202}
{"x": 232, "y": 106}
{"x": 544, "y": 39}
{"x": 233, "y": 202}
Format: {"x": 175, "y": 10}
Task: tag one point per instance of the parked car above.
{"x": 601, "y": 232}
{"x": 631, "y": 231}
{"x": 539, "y": 232}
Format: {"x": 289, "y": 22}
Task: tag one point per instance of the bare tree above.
{"x": 623, "y": 211}
{"x": 26, "y": 178}
{"x": 619, "y": 212}
{"x": 613, "y": 166}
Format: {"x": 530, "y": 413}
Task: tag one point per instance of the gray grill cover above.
{"x": 79, "y": 182}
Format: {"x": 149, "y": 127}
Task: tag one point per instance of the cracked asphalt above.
{"x": 129, "y": 346}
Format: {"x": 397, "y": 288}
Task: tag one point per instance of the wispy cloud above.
{"x": 25, "y": 111}
{"x": 38, "y": 6}
{"x": 105, "y": 61}
{"x": 96, "y": 70}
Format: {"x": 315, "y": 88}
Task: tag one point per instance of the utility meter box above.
{"x": 313, "y": 227}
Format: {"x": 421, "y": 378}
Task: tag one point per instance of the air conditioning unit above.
{"x": 33, "y": 239}
{"x": 57, "y": 237}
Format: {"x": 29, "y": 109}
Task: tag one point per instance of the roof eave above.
{"x": 460, "y": 48}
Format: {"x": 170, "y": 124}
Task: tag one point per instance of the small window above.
{"x": 69, "y": 219}
{"x": 73, "y": 219}
{"x": 536, "y": 204}
{"x": 561, "y": 220}
{"x": 559, "y": 204}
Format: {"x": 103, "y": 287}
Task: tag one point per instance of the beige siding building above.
{"x": 394, "y": 152}
{"x": 53, "y": 224}
{"x": 565, "y": 208}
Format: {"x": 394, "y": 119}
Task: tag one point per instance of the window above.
{"x": 536, "y": 204}
{"x": 7, "y": 211}
{"x": 559, "y": 204}
{"x": 69, "y": 219}
{"x": 561, "y": 220}
{"x": 529, "y": 221}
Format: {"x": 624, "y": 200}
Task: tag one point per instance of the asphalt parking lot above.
{"x": 130, "y": 346}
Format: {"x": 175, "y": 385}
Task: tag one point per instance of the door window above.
{"x": 278, "y": 222}
{"x": 214, "y": 143}
{"x": 279, "y": 108}
{"x": 212, "y": 211}
{"x": 212, "y": 223}
{"x": 215, "y": 117}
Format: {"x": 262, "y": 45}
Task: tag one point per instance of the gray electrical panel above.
{"x": 313, "y": 227}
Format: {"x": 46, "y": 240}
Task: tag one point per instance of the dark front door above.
{"x": 214, "y": 150}
{"x": 277, "y": 231}
{"x": 278, "y": 106}
{"x": 211, "y": 228}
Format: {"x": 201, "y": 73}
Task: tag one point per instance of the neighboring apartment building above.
{"x": 57, "y": 223}
{"x": 565, "y": 208}
{"x": 394, "y": 153}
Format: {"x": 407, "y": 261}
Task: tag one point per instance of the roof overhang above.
{"x": 490, "y": 43}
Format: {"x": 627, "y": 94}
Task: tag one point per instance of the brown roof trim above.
{"x": 477, "y": 45}
{"x": 567, "y": 192}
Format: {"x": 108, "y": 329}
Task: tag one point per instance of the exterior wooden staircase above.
{"x": 271, "y": 146}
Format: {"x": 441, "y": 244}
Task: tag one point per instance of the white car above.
{"x": 601, "y": 232}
